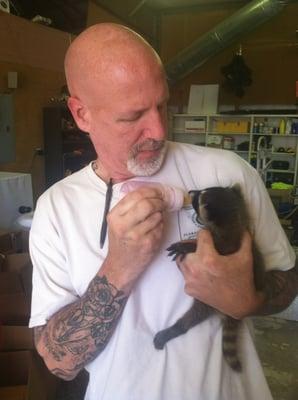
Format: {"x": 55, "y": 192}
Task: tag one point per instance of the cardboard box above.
{"x": 278, "y": 197}
{"x": 18, "y": 392}
{"x": 10, "y": 242}
{"x": 17, "y": 275}
{"x": 14, "y": 309}
{"x": 214, "y": 141}
{"x": 2, "y": 259}
{"x": 16, "y": 338}
{"x": 10, "y": 282}
{"x": 15, "y": 262}
{"x": 198, "y": 126}
{"x": 281, "y": 195}
{"x": 14, "y": 368}
{"x": 25, "y": 240}
{"x": 26, "y": 280}
{"x": 228, "y": 126}
{"x": 23, "y": 373}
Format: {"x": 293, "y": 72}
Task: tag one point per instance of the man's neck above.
{"x": 106, "y": 175}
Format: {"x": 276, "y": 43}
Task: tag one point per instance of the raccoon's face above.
{"x": 217, "y": 205}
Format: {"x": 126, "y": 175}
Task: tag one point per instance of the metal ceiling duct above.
{"x": 244, "y": 20}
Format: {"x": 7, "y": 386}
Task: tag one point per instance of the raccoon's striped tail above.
{"x": 229, "y": 343}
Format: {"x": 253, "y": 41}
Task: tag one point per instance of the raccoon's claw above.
{"x": 176, "y": 254}
{"x": 180, "y": 249}
{"x": 159, "y": 341}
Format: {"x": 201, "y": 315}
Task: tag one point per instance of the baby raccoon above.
{"x": 223, "y": 212}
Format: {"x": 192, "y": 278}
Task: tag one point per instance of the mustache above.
{"x": 149, "y": 145}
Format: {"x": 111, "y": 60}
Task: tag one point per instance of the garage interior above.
{"x": 196, "y": 40}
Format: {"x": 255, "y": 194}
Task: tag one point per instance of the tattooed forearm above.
{"x": 37, "y": 334}
{"x": 80, "y": 331}
{"x": 281, "y": 288}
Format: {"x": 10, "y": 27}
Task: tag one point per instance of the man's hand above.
{"x": 224, "y": 282}
{"x": 135, "y": 228}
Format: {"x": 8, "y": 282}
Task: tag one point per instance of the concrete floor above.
{"x": 277, "y": 345}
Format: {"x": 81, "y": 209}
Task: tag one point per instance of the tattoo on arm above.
{"x": 37, "y": 333}
{"x": 80, "y": 331}
{"x": 281, "y": 288}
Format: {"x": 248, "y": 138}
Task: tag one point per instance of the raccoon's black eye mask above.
{"x": 195, "y": 195}
{"x": 195, "y": 202}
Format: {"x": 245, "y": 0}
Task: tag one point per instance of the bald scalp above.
{"x": 103, "y": 52}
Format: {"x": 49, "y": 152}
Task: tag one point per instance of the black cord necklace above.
{"x": 109, "y": 194}
{"x": 104, "y": 225}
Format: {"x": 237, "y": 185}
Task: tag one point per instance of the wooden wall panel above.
{"x": 271, "y": 51}
{"x": 97, "y": 14}
{"x": 180, "y": 30}
{"x": 36, "y": 87}
{"x": 36, "y": 53}
{"x": 28, "y": 43}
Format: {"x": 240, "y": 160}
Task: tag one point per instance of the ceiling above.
{"x": 66, "y": 15}
{"x": 71, "y": 15}
{"x": 168, "y": 4}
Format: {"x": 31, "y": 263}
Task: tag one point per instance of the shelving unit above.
{"x": 67, "y": 149}
{"x": 269, "y": 142}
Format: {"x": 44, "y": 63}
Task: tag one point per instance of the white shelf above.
{"x": 282, "y": 171}
{"x": 276, "y": 153}
{"x": 226, "y": 115}
{"x": 281, "y": 153}
{"x": 177, "y": 130}
{"x": 193, "y": 115}
{"x": 228, "y": 133}
{"x": 278, "y": 135}
{"x": 245, "y": 121}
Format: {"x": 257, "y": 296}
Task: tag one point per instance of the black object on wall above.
{"x": 66, "y": 148}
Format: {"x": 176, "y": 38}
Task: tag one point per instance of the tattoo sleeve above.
{"x": 281, "y": 288}
{"x": 77, "y": 333}
{"x": 37, "y": 334}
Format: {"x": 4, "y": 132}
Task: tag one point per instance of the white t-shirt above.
{"x": 64, "y": 245}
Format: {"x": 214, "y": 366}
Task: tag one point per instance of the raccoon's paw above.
{"x": 159, "y": 340}
{"x": 181, "y": 249}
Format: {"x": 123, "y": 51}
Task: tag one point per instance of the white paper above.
{"x": 203, "y": 99}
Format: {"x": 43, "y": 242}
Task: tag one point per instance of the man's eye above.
{"x": 131, "y": 118}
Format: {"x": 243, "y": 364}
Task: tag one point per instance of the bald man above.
{"x": 102, "y": 283}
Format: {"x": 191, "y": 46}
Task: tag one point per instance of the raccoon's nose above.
{"x": 194, "y": 193}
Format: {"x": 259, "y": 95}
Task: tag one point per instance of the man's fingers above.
{"x": 131, "y": 199}
{"x": 138, "y": 214}
{"x": 153, "y": 222}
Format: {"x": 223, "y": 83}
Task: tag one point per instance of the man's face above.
{"x": 129, "y": 126}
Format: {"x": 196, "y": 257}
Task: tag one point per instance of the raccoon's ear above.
{"x": 194, "y": 194}
{"x": 237, "y": 189}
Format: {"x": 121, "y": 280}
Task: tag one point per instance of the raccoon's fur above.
{"x": 223, "y": 212}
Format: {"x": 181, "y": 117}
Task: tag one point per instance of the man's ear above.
{"x": 80, "y": 113}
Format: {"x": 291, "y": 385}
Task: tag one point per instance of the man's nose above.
{"x": 156, "y": 125}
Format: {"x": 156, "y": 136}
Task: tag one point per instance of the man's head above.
{"x": 119, "y": 94}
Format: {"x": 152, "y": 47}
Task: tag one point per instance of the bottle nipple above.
{"x": 174, "y": 197}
